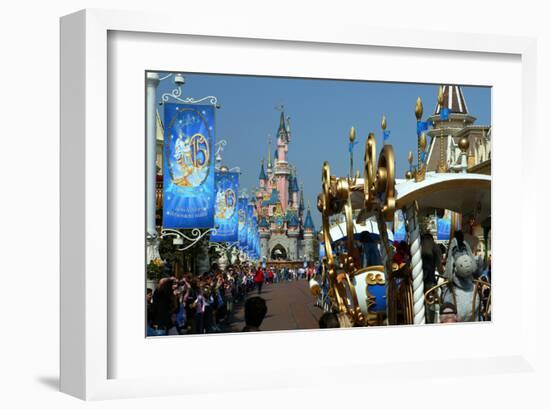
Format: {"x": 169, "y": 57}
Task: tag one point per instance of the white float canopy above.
{"x": 459, "y": 192}
{"x": 338, "y": 231}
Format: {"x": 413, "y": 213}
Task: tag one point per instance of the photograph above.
{"x": 280, "y": 203}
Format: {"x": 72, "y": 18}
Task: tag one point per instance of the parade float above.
{"x": 392, "y": 292}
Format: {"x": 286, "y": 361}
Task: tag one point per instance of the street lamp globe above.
{"x": 179, "y": 80}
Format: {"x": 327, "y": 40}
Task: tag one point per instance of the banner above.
{"x": 421, "y": 126}
{"x": 188, "y": 166}
{"x": 242, "y": 222}
{"x": 444, "y": 226}
{"x": 444, "y": 115}
{"x": 226, "y": 216}
{"x": 249, "y": 228}
{"x": 400, "y": 232}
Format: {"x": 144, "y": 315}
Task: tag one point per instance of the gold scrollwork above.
{"x": 379, "y": 184}
{"x": 379, "y": 197}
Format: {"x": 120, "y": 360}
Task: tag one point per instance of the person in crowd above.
{"x": 259, "y": 278}
{"x": 190, "y": 310}
{"x": 402, "y": 255}
{"x": 200, "y": 305}
{"x": 181, "y": 292}
{"x": 329, "y": 320}
{"x": 229, "y": 294}
{"x": 371, "y": 254}
{"x": 448, "y": 313}
{"x": 431, "y": 260}
{"x": 255, "y": 310}
{"x": 149, "y": 305}
{"x": 164, "y": 306}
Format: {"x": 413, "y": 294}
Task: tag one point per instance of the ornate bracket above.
{"x": 193, "y": 239}
{"x": 176, "y": 95}
{"x": 379, "y": 188}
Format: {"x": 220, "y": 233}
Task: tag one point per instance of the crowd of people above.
{"x": 205, "y": 303}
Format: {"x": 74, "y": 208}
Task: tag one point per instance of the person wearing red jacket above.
{"x": 259, "y": 279}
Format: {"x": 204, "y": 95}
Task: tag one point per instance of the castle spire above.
{"x": 262, "y": 172}
{"x": 269, "y": 153}
{"x": 451, "y": 97}
{"x": 308, "y": 224}
{"x": 301, "y": 207}
{"x": 282, "y": 131}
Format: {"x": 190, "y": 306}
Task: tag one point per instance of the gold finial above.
{"x": 408, "y": 175}
{"x": 352, "y": 134}
{"x": 384, "y": 123}
{"x": 464, "y": 144}
{"x": 422, "y": 141}
{"x": 357, "y": 174}
{"x": 269, "y": 151}
{"x": 419, "y": 109}
{"x": 440, "y": 96}
{"x": 410, "y": 158}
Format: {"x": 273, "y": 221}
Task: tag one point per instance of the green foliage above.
{"x": 154, "y": 270}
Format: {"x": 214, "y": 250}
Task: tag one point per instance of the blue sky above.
{"x": 321, "y": 112}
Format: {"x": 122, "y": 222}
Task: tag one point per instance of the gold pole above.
{"x": 441, "y": 166}
{"x": 418, "y": 111}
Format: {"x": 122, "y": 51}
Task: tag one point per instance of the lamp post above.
{"x": 152, "y": 83}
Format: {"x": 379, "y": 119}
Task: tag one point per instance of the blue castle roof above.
{"x": 274, "y": 199}
{"x": 294, "y": 185}
{"x": 292, "y": 219}
{"x": 262, "y": 172}
{"x": 264, "y": 223}
{"x": 308, "y": 224}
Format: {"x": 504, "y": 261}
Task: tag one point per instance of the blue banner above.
{"x": 351, "y": 145}
{"x": 445, "y": 114}
{"x": 444, "y": 226}
{"x": 226, "y": 216}
{"x": 250, "y": 228}
{"x": 400, "y": 232}
{"x": 242, "y": 222}
{"x": 421, "y": 126}
{"x": 188, "y": 166}
{"x": 386, "y": 135}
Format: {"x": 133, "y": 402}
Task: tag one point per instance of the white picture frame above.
{"x": 87, "y": 301}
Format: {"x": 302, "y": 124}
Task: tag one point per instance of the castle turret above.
{"x": 262, "y": 177}
{"x": 282, "y": 169}
{"x": 301, "y": 205}
{"x": 293, "y": 190}
{"x": 309, "y": 231}
{"x": 449, "y": 118}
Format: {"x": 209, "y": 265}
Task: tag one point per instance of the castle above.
{"x": 286, "y": 228}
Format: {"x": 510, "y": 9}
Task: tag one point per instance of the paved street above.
{"x": 290, "y": 305}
